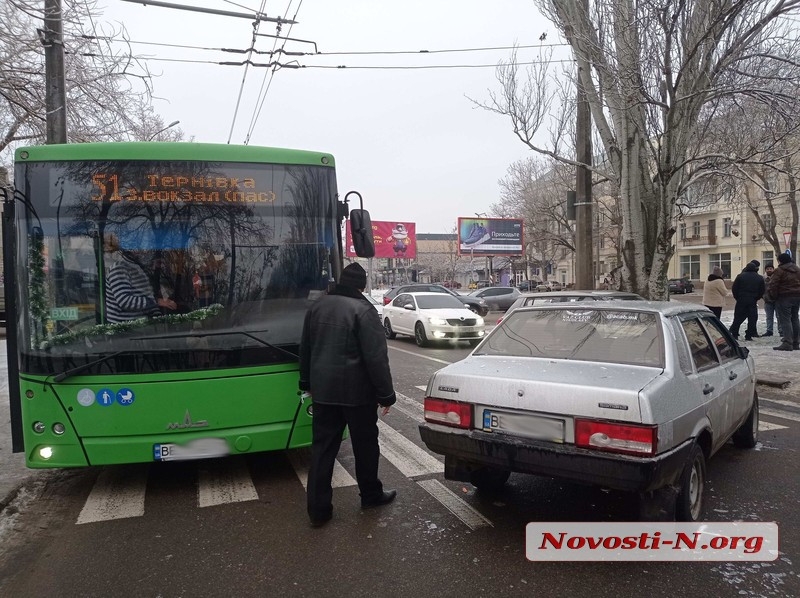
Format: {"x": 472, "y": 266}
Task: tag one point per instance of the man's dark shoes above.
{"x": 767, "y": 334}
{"x": 320, "y": 521}
{"x": 384, "y": 499}
{"x": 796, "y": 346}
{"x": 783, "y": 347}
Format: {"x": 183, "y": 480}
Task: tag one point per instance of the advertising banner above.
{"x": 392, "y": 239}
{"x": 490, "y": 236}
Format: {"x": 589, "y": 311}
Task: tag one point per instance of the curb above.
{"x": 772, "y": 382}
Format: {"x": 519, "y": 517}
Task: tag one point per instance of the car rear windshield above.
{"x": 439, "y": 302}
{"x": 609, "y": 336}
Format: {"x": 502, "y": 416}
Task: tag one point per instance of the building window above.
{"x": 767, "y": 220}
{"x": 696, "y": 229}
{"x": 723, "y": 260}
{"x": 690, "y": 267}
{"x": 602, "y": 241}
{"x": 767, "y": 257}
{"x": 683, "y": 231}
{"x": 727, "y": 225}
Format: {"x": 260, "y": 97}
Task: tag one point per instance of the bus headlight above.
{"x": 39, "y": 427}
{"x": 58, "y": 429}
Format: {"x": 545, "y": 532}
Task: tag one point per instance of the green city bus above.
{"x": 228, "y": 245}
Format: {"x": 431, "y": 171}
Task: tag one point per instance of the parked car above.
{"x": 377, "y": 304}
{"x": 549, "y": 285}
{"x": 451, "y": 284}
{"x": 431, "y": 316}
{"x": 527, "y": 286}
{"x": 530, "y": 299}
{"x": 680, "y": 285}
{"x": 477, "y": 305}
{"x": 633, "y": 396}
{"x": 497, "y": 298}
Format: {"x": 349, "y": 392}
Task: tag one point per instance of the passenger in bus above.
{"x": 129, "y": 294}
{"x": 344, "y": 365}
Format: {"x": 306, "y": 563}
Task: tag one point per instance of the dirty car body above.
{"x": 629, "y": 395}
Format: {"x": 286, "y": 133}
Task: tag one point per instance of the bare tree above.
{"x": 655, "y": 74}
{"x": 105, "y": 87}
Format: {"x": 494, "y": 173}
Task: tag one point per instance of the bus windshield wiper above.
{"x": 247, "y": 333}
{"x": 81, "y": 368}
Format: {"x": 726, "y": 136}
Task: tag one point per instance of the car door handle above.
{"x": 707, "y": 389}
{"x": 733, "y": 376}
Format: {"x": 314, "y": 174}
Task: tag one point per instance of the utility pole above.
{"x": 583, "y": 191}
{"x": 55, "y": 94}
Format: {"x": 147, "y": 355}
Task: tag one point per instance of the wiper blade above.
{"x": 248, "y": 334}
{"x": 82, "y": 368}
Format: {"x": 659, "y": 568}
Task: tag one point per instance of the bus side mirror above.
{"x": 361, "y": 229}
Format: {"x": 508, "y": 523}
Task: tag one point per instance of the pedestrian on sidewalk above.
{"x": 747, "y": 289}
{"x": 344, "y": 365}
{"x": 769, "y": 304}
{"x": 784, "y": 288}
{"x": 715, "y": 291}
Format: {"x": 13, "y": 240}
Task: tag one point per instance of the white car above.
{"x": 432, "y": 316}
{"x": 376, "y": 304}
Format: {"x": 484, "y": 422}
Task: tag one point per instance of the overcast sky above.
{"x": 410, "y": 141}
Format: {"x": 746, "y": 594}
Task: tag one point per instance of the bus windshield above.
{"x": 138, "y": 266}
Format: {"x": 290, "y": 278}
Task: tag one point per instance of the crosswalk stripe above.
{"x": 406, "y": 456}
{"x": 764, "y": 426}
{"x": 795, "y": 417}
{"x": 408, "y": 406}
{"x": 224, "y": 481}
{"x": 118, "y": 493}
{"x": 779, "y": 402}
{"x": 301, "y": 461}
{"x": 469, "y": 516}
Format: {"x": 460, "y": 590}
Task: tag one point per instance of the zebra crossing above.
{"x": 119, "y": 492}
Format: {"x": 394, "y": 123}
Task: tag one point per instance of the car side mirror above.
{"x": 743, "y": 352}
{"x": 361, "y": 229}
{"x": 409, "y": 306}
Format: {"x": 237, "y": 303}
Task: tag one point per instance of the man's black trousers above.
{"x": 745, "y": 311}
{"x": 328, "y": 425}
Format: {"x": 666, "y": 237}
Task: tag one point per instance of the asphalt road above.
{"x": 157, "y": 529}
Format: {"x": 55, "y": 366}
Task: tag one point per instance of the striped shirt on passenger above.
{"x": 128, "y": 293}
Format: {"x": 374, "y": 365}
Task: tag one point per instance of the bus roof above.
{"x": 155, "y": 150}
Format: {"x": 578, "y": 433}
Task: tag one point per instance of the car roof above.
{"x": 424, "y": 294}
{"x": 582, "y": 294}
{"x": 665, "y": 308}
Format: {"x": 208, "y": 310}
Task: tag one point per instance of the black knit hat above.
{"x": 784, "y": 258}
{"x": 756, "y": 263}
{"x": 354, "y": 276}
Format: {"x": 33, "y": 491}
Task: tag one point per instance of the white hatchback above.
{"x": 430, "y": 317}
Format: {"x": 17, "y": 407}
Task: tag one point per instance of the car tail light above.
{"x": 448, "y": 413}
{"x": 616, "y": 437}
{"x": 386, "y": 300}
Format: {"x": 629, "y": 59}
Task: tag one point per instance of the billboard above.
{"x": 392, "y": 239}
{"x": 490, "y": 236}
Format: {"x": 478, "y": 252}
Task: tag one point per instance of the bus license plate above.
{"x": 522, "y": 424}
{"x": 202, "y": 448}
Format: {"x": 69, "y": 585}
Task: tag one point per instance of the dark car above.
{"x": 477, "y": 305}
{"x": 497, "y": 298}
{"x": 526, "y": 286}
{"x": 680, "y": 285}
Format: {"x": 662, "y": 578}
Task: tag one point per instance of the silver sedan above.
{"x": 630, "y": 395}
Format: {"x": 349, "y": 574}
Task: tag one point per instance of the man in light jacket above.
{"x": 715, "y": 291}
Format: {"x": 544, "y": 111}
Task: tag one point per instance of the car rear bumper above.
{"x": 466, "y": 450}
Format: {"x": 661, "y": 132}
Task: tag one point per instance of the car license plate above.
{"x": 523, "y": 424}
{"x": 202, "y": 448}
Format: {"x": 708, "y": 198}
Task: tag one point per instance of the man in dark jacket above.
{"x": 784, "y": 288}
{"x": 344, "y": 365}
{"x": 747, "y": 289}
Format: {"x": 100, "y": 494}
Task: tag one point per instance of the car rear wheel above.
{"x": 692, "y": 487}
{"x": 387, "y": 328}
{"x": 488, "y": 478}
{"x": 419, "y": 335}
{"x": 747, "y": 435}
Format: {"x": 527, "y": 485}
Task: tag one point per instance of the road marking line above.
{"x": 409, "y": 407}
{"x": 780, "y": 413}
{"x": 222, "y": 482}
{"x": 406, "y": 456}
{"x": 118, "y": 493}
{"x": 779, "y": 402}
{"x": 764, "y": 426}
{"x": 422, "y": 388}
{"x": 420, "y": 356}
{"x": 301, "y": 461}
{"x": 468, "y": 516}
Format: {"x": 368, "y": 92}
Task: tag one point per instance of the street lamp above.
{"x": 169, "y": 126}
